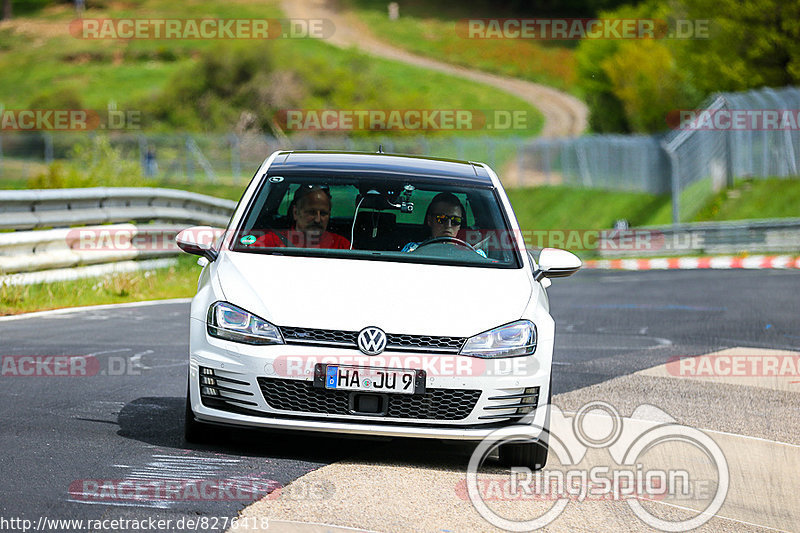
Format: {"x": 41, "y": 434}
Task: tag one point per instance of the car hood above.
{"x": 348, "y": 294}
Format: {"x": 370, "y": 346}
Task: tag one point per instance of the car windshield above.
{"x": 402, "y": 220}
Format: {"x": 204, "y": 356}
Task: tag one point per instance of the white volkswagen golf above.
{"x": 373, "y": 294}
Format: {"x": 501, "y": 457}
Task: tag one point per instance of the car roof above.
{"x": 358, "y": 164}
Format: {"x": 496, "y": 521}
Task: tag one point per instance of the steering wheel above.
{"x": 453, "y": 240}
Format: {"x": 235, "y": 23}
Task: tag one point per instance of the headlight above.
{"x": 229, "y": 322}
{"x": 511, "y": 340}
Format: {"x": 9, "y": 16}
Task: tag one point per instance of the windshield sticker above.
{"x": 248, "y": 239}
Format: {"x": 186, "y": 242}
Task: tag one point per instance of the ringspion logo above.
{"x": 649, "y": 457}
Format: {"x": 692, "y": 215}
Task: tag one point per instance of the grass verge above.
{"x": 46, "y": 67}
{"x": 564, "y": 208}
{"x": 756, "y": 198}
{"x": 432, "y": 29}
{"x": 179, "y": 281}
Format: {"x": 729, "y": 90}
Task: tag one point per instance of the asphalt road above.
{"x": 611, "y": 324}
{"x": 124, "y": 422}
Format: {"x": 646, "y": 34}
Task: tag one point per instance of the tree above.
{"x": 648, "y": 81}
{"x": 749, "y": 44}
{"x": 7, "y": 12}
{"x": 753, "y": 43}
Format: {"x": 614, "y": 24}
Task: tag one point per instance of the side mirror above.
{"x": 555, "y": 263}
{"x": 199, "y": 240}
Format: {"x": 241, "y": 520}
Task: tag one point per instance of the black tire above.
{"x": 194, "y": 431}
{"x": 529, "y": 454}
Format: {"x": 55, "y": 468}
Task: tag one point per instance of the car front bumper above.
{"x": 243, "y": 401}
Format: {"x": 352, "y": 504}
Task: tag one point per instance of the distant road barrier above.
{"x": 52, "y": 208}
{"x": 96, "y": 230}
{"x": 712, "y": 238}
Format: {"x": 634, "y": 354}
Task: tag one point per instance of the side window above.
{"x": 283, "y": 208}
{"x": 471, "y": 221}
{"x": 343, "y": 201}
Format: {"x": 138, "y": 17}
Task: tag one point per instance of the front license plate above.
{"x": 370, "y": 379}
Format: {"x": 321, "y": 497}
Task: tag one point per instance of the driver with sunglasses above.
{"x": 444, "y": 218}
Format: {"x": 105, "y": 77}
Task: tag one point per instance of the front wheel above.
{"x": 530, "y": 454}
{"x": 194, "y": 431}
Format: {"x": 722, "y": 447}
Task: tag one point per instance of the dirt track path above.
{"x": 565, "y": 115}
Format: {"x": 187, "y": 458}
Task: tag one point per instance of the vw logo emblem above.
{"x": 371, "y": 340}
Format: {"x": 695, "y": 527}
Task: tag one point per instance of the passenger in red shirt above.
{"x": 311, "y": 211}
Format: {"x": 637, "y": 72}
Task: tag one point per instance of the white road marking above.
{"x": 67, "y": 310}
{"x": 136, "y": 360}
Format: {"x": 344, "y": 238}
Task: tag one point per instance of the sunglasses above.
{"x": 441, "y": 219}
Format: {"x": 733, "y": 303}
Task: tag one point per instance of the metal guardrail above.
{"x": 85, "y": 229}
{"x": 30, "y": 251}
{"x": 728, "y": 237}
{"x": 52, "y": 208}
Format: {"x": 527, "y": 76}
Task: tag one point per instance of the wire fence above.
{"x": 732, "y": 138}
{"x": 690, "y": 163}
{"x": 214, "y": 157}
{"x": 612, "y": 162}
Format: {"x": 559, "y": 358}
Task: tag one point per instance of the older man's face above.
{"x": 312, "y": 213}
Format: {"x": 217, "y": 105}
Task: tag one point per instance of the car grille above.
{"x": 302, "y": 396}
{"x": 394, "y": 341}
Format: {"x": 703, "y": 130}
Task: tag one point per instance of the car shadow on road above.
{"x": 158, "y": 421}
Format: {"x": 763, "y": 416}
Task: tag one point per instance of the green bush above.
{"x": 91, "y": 164}
{"x": 606, "y": 110}
{"x": 630, "y": 86}
{"x": 66, "y": 98}
{"x": 752, "y": 44}
{"x": 234, "y": 79}
{"x": 647, "y": 81}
